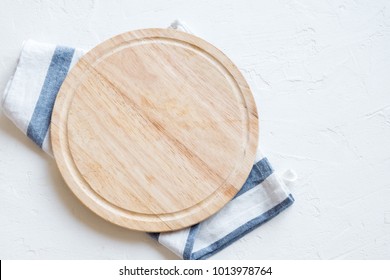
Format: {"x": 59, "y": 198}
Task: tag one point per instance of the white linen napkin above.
{"x": 28, "y": 101}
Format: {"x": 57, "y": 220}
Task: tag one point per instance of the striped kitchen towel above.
{"x": 28, "y": 101}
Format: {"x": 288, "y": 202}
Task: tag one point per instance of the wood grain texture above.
{"x": 155, "y": 130}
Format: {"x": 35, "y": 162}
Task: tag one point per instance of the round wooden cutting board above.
{"x": 155, "y": 130}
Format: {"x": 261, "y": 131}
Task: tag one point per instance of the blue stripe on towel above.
{"x": 242, "y": 230}
{"x": 260, "y": 171}
{"x": 190, "y": 242}
{"x": 58, "y": 69}
{"x": 154, "y": 235}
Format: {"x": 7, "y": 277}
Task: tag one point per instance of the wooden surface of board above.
{"x": 155, "y": 130}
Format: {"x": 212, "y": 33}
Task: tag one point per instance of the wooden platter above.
{"x": 155, "y": 130}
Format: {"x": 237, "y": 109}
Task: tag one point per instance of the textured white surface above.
{"x": 320, "y": 70}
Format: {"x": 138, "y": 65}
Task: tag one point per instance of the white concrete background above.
{"x": 320, "y": 73}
